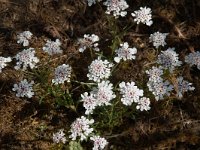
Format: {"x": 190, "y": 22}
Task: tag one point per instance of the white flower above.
{"x": 143, "y": 16}
{"x": 52, "y": 47}
{"x": 117, "y": 7}
{"x": 91, "y": 2}
{"x": 193, "y": 59}
{"x": 62, "y": 74}
{"x": 89, "y": 102}
{"x": 169, "y": 59}
{"x": 125, "y": 53}
{"x": 160, "y": 89}
{"x": 130, "y": 93}
{"x": 143, "y": 104}
{"x": 89, "y": 41}
{"x": 26, "y": 58}
{"x": 3, "y": 62}
{"x": 183, "y": 86}
{"x": 24, "y": 89}
{"x": 103, "y": 93}
{"x": 81, "y": 127}
{"x": 99, "y": 70}
{"x": 155, "y": 74}
{"x": 24, "y": 37}
{"x": 59, "y": 137}
{"x": 158, "y": 39}
{"x": 99, "y": 142}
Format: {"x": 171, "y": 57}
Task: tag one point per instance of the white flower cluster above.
{"x": 3, "y": 62}
{"x": 81, "y": 127}
{"x": 52, "y": 47}
{"x": 89, "y": 41}
{"x": 156, "y": 83}
{"x": 143, "y": 104}
{"x": 62, "y": 74}
{"x": 99, "y": 70}
{"x": 24, "y": 37}
{"x": 99, "y": 142}
{"x": 158, "y": 39}
{"x": 143, "y": 16}
{"x": 193, "y": 59}
{"x": 169, "y": 59}
{"x": 130, "y": 93}
{"x": 24, "y": 89}
{"x": 59, "y": 137}
{"x": 102, "y": 95}
{"x": 117, "y": 7}
{"x": 91, "y": 2}
{"x": 183, "y": 86}
{"x": 26, "y": 58}
{"x": 125, "y": 53}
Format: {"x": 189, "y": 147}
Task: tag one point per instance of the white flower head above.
{"x": 59, "y": 137}
{"x": 26, "y": 58}
{"x": 89, "y": 102}
{"x": 3, "y": 62}
{"x": 143, "y": 104}
{"x": 155, "y": 74}
{"x": 91, "y": 2}
{"x": 169, "y": 59}
{"x": 62, "y": 74}
{"x": 143, "y": 16}
{"x": 81, "y": 128}
{"x": 158, "y": 39}
{"x": 89, "y": 41}
{"x": 24, "y": 89}
{"x": 183, "y": 86}
{"x": 117, "y": 7}
{"x": 52, "y": 47}
{"x": 24, "y": 37}
{"x": 130, "y": 93}
{"x": 193, "y": 59}
{"x": 125, "y": 53}
{"x": 160, "y": 89}
{"x": 104, "y": 93}
{"x": 99, "y": 70}
{"x": 99, "y": 142}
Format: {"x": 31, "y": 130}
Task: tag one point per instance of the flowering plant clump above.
{"x": 169, "y": 59}
{"x": 125, "y": 53}
{"x": 62, "y": 74}
{"x": 99, "y": 142}
{"x": 81, "y": 128}
{"x": 24, "y": 37}
{"x": 143, "y": 104}
{"x": 52, "y": 47}
{"x": 24, "y": 89}
{"x": 26, "y": 58}
{"x": 158, "y": 39}
{"x": 99, "y": 70}
{"x": 3, "y": 62}
{"x": 193, "y": 59}
{"x": 183, "y": 86}
{"x": 89, "y": 41}
{"x": 59, "y": 137}
{"x": 117, "y": 7}
{"x": 143, "y": 16}
{"x": 130, "y": 93}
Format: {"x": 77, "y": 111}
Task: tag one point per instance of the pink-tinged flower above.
{"x": 81, "y": 128}
{"x": 89, "y": 102}
{"x": 143, "y": 104}
{"x": 193, "y": 59}
{"x": 3, "y": 62}
{"x": 130, "y": 93}
{"x": 24, "y": 37}
{"x": 24, "y": 89}
{"x": 143, "y": 16}
{"x": 26, "y": 58}
{"x": 158, "y": 39}
{"x": 62, "y": 74}
{"x": 52, "y": 47}
{"x": 59, "y": 137}
{"x": 99, "y": 142}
